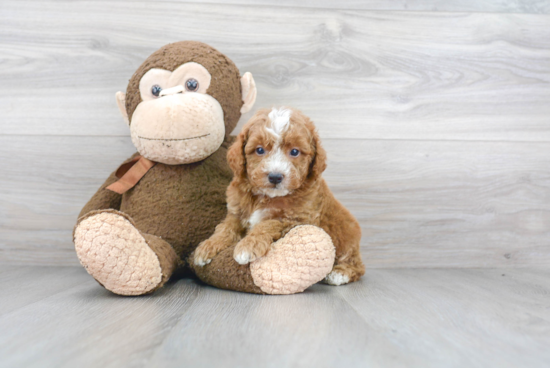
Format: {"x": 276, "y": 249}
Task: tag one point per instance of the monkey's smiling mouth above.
{"x": 173, "y": 139}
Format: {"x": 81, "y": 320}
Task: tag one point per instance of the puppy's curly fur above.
{"x": 277, "y": 161}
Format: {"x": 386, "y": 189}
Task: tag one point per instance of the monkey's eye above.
{"x": 155, "y": 90}
{"x": 260, "y": 151}
{"x": 192, "y": 85}
{"x": 294, "y": 152}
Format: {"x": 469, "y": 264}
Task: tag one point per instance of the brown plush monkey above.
{"x": 149, "y": 216}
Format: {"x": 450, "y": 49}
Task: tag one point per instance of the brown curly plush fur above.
{"x": 178, "y": 205}
{"x": 172, "y": 201}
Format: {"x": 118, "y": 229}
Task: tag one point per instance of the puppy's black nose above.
{"x": 275, "y": 178}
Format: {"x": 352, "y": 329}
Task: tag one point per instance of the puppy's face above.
{"x": 278, "y": 151}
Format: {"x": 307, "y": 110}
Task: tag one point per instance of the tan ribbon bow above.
{"x": 130, "y": 173}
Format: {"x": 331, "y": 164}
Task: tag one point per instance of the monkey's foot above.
{"x": 119, "y": 256}
{"x": 300, "y": 259}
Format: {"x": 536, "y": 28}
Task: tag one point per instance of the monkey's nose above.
{"x": 171, "y": 91}
{"x": 275, "y": 178}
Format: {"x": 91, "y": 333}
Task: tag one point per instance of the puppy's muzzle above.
{"x": 275, "y": 178}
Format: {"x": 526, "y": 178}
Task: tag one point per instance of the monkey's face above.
{"x": 177, "y": 122}
{"x": 183, "y": 100}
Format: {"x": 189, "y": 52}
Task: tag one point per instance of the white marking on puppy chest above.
{"x": 256, "y": 217}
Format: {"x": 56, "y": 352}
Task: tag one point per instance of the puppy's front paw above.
{"x": 249, "y": 249}
{"x": 204, "y": 253}
{"x": 243, "y": 257}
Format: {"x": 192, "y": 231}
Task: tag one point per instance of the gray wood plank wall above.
{"x": 435, "y": 114}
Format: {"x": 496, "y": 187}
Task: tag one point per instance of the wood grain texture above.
{"x": 358, "y": 74}
{"x": 390, "y": 318}
{"x": 437, "y": 123}
{"x": 494, "y": 6}
{"x": 459, "y": 318}
{"x": 87, "y": 326}
{"x": 420, "y": 203}
{"x": 267, "y": 331}
{"x": 21, "y": 286}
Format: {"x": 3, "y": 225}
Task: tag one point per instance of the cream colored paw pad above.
{"x": 114, "y": 252}
{"x": 294, "y": 263}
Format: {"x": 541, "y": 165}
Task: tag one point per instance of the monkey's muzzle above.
{"x": 178, "y": 128}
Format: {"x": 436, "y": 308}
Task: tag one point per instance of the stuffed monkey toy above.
{"x": 148, "y": 217}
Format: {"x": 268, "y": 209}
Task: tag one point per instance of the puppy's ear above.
{"x": 319, "y": 162}
{"x": 235, "y": 154}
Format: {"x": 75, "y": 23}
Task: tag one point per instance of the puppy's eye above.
{"x": 260, "y": 151}
{"x": 294, "y": 152}
{"x": 192, "y": 85}
{"x": 155, "y": 90}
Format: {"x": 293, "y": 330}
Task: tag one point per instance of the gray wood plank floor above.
{"x": 60, "y": 317}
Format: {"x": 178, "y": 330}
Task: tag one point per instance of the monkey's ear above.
{"x": 121, "y": 102}
{"x": 248, "y": 86}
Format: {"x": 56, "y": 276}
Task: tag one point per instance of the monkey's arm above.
{"x": 104, "y": 198}
{"x": 227, "y": 233}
